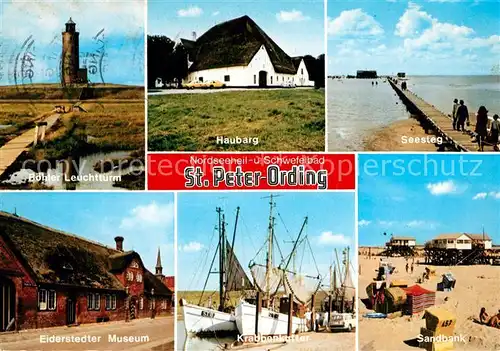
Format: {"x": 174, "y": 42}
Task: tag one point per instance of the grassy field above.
{"x": 36, "y": 93}
{"x": 103, "y": 128}
{"x": 283, "y": 120}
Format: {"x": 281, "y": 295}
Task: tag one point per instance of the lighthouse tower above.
{"x": 70, "y": 54}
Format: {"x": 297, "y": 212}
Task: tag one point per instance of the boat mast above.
{"x": 222, "y": 256}
{"x": 269, "y": 260}
{"x": 230, "y": 265}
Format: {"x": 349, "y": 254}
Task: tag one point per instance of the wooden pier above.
{"x": 433, "y": 119}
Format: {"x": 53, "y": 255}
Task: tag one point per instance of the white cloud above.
{"x": 216, "y": 13}
{"x": 364, "y": 223}
{"x": 415, "y": 223}
{"x": 45, "y": 19}
{"x": 386, "y": 223}
{"x": 354, "y": 23}
{"x": 191, "y": 11}
{"x": 480, "y": 196}
{"x": 291, "y": 16}
{"x": 412, "y": 20}
{"x": 441, "y": 188}
{"x": 494, "y": 194}
{"x": 192, "y": 246}
{"x": 152, "y": 215}
{"x": 329, "y": 238}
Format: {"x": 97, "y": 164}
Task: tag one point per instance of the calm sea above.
{"x": 356, "y": 108}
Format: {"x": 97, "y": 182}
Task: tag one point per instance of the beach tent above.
{"x": 418, "y": 299}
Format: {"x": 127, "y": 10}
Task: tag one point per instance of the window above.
{"x": 451, "y": 241}
{"x": 130, "y": 276}
{"x": 90, "y": 301}
{"x": 301, "y": 71}
{"x": 458, "y": 241}
{"x": 254, "y": 79}
{"x": 110, "y": 302}
{"x": 47, "y": 300}
{"x": 138, "y": 277}
{"x": 52, "y": 300}
{"x": 226, "y": 78}
{"x": 200, "y": 79}
{"x": 42, "y": 300}
{"x": 141, "y": 303}
{"x": 163, "y": 304}
{"x": 134, "y": 264}
{"x": 271, "y": 79}
{"x": 93, "y": 302}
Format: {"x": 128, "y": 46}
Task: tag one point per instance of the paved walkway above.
{"x": 11, "y": 151}
{"x": 159, "y": 333}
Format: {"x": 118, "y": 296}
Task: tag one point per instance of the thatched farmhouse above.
{"x": 51, "y": 278}
{"x": 239, "y": 53}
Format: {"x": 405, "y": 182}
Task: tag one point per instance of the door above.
{"x": 70, "y": 311}
{"x": 262, "y": 79}
{"x": 7, "y": 305}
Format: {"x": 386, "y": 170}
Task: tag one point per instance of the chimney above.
{"x": 119, "y": 243}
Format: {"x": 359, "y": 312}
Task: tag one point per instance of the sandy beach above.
{"x": 389, "y": 138}
{"x": 476, "y": 287}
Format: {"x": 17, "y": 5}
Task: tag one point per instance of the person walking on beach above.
{"x": 454, "y": 113}
{"x": 407, "y": 267}
{"x": 481, "y": 127}
{"x": 494, "y": 131}
{"x": 411, "y": 268}
{"x": 462, "y": 116}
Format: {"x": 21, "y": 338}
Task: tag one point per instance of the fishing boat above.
{"x": 203, "y": 320}
{"x": 271, "y": 281}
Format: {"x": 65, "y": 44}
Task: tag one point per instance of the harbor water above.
{"x": 185, "y": 342}
{"x": 356, "y": 108}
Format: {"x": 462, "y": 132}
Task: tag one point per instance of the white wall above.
{"x": 463, "y": 246}
{"x": 236, "y": 75}
{"x": 488, "y": 244}
{"x": 453, "y": 243}
{"x": 302, "y": 76}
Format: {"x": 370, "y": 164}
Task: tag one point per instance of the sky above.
{"x": 43, "y": 22}
{"x": 145, "y": 220}
{"x": 445, "y": 37}
{"x": 331, "y": 226}
{"x": 426, "y": 195}
{"x": 296, "y": 26}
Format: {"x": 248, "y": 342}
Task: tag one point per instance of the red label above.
{"x": 246, "y": 171}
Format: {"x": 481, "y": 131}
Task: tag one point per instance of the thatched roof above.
{"x": 121, "y": 260}
{"x": 235, "y": 43}
{"x": 152, "y": 282}
{"x": 55, "y": 257}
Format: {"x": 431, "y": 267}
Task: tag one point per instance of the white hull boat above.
{"x": 270, "y": 322}
{"x": 205, "y": 320}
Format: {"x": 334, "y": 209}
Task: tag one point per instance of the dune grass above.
{"x": 283, "y": 120}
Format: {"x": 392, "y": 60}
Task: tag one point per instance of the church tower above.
{"x": 158, "y": 267}
{"x": 70, "y": 54}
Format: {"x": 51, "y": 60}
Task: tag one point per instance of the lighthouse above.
{"x": 70, "y": 60}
